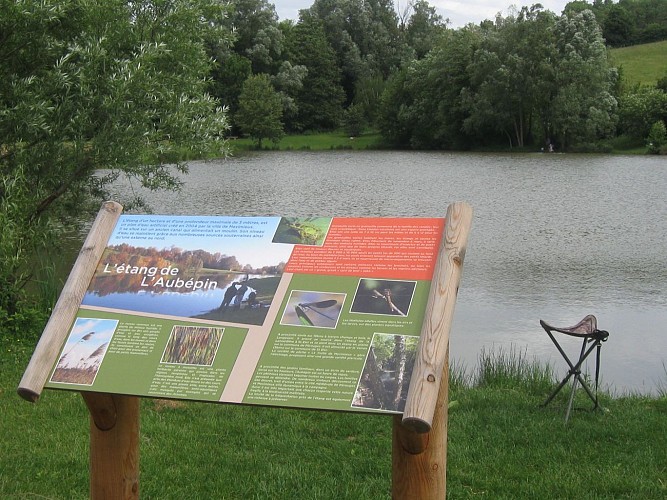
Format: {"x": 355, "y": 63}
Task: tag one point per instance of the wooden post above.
{"x": 419, "y": 460}
{"x": 434, "y": 338}
{"x": 114, "y": 446}
{"x": 64, "y": 312}
{"x": 419, "y": 438}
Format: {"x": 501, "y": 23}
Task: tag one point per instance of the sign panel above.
{"x": 297, "y": 312}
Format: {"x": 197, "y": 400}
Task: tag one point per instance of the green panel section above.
{"x": 318, "y": 364}
{"x": 197, "y": 365}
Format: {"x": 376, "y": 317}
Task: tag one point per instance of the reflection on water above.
{"x": 176, "y": 303}
{"x": 554, "y": 236}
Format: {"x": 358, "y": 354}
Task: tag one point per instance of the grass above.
{"x": 313, "y": 141}
{"x": 502, "y": 444}
{"x": 642, "y": 64}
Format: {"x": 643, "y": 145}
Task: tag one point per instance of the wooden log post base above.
{"x": 419, "y": 459}
{"x": 114, "y": 446}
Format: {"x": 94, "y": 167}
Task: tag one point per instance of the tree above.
{"x": 260, "y": 110}
{"x": 423, "y": 28}
{"x": 640, "y": 108}
{"x": 320, "y": 100}
{"x": 86, "y": 86}
{"x": 364, "y": 35}
{"x": 510, "y": 76}
{"x": 618, "y": 28}
{"x": 657, "y": 138}
{"x": 257, "y": 37}
{"x": 583, "y": 108}
{"x": 288, "y": 82}
{"x": 421, "y": 106}
{"x": 227, "y": 78}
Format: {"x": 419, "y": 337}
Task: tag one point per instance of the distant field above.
{"x": 642, "y": 63}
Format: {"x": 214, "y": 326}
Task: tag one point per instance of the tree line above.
{"x": 531, "y": 78}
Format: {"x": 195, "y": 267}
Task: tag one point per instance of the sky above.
{"x": 459, "y": 13}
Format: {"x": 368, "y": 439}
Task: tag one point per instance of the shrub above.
{"x": 657, "y": 138}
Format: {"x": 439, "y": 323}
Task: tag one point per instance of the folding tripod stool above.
{"x": 586, "y": 330}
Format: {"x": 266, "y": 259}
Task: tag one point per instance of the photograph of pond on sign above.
{"x": 84, "y": 351}
{"x": 389, "y": 297}
{"x": 314, "y": 309}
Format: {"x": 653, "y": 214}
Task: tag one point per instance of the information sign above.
{"x": 297, "y": 312}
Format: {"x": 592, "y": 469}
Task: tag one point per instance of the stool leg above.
{"x": 577, "y": 374}
{"x": 571, "y": 402}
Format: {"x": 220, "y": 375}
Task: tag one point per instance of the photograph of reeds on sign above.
{"x": 192, "y": 345}
{"x": 84, "y": 351}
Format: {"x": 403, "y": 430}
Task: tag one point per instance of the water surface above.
{"x": 554, "y": 237}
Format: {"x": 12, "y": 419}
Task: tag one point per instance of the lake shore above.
{"x": 370, "y": 140}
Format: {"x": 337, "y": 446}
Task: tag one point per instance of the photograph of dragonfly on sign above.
{"x": 281, "y": 311}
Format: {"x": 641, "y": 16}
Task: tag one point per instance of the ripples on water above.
{"x": 554, "y": 236}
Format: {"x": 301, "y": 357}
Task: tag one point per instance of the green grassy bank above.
{"x": 336, "y": 140}
{"x": 641, "y": 64}
{"x": 502, "y": 444}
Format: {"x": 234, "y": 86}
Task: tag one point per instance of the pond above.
{"x": 554, "y": 237}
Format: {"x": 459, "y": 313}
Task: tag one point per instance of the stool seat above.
{"x": 586, "y": 330}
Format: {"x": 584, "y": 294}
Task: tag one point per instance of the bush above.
{"x": 657, "y": 138}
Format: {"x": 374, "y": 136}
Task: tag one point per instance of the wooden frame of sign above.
{"x": 419, "y": 436}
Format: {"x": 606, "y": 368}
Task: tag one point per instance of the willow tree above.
{"x": 583, "y": 108}
{"x": 86, "y": 86}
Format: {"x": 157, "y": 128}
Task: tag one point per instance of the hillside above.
{"x": 642, "y": 63}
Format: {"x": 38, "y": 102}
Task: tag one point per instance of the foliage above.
{"x": 257, "y": 37}
{"x": 512, "y": 77}
{"x": 583, "y": 108}
{"x": 640, "y": 109}
{"x": 320, "y": 100}
{"x": 527, "y": 78}
{"x": 227, "y": 78}
{"x": 354, "y": 120}
{"x": 657, "y": 138}
{"x": 421, "y": 105}
{"x": 260, "y": 110}
{"x": 423, "y": 28}
{"x": 84, "y": 86}
{"x": 627, "y": 22}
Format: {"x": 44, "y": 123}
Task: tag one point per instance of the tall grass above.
{"x": 511, "y": 367}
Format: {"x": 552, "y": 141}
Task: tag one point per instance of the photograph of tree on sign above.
{"x": 84, "y": 351}
{"x": 192, "y": 345}
{"x": 384, "y": 381}
{"x": 383, "y": 297}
